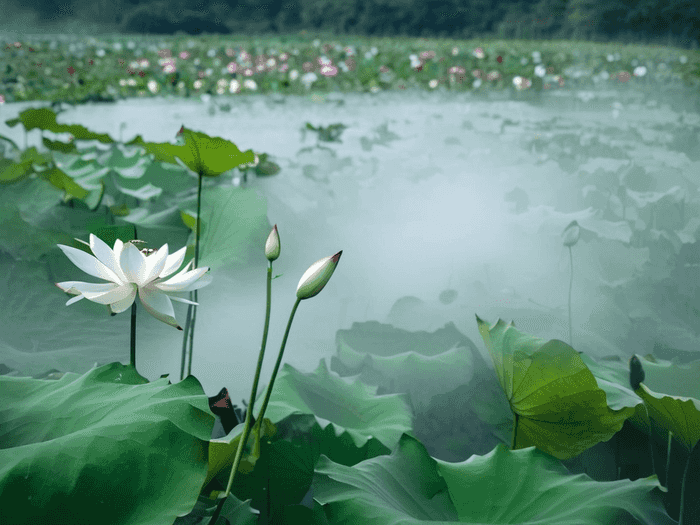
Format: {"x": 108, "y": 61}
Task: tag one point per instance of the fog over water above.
{"x": 419, "y": 196}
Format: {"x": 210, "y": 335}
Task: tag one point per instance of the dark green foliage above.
{"x": 668, "y": 22}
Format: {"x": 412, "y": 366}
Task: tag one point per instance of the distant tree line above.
{"x": 674, "y": 22}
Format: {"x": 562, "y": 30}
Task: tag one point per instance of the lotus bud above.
{"x": 272, "y": 245}
{"x": 316, "y": 277}
{"x": 636, "y": 372}
{"x": 571, "y": 233}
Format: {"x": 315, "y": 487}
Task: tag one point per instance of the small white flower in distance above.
{"x": 130, "y": 271}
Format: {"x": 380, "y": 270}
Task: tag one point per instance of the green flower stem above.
{"x": 194, "y": 318}
{"x": 184, "y": 339}
{"x": 253, "y": 393}
{"x": 189, "y": 324}
{"x": 133, "y": 334}
{"x": 132, "y": 355}
{"x": 571, "y": 284}
{"x": 268, "y": 393}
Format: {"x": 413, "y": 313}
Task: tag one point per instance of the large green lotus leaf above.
{"x": 121, "y": 157}
{"x": 347, "y": 407}
{"x": 21, "y": 165}
{"x": 205, "y": 155}
{"x": 414, "y": 374}
{"x": 33, "y": 118}
{"x": 11, "y": 171}
{"x": 304, "y": 430}
{"x": 234, "y": 226}
{"x": 45, "y": 118}
{"x": 281, "y": 476}
{"x": 139, "y": 190}
{"x": 106, "y": 447}
{"x": 384, "y": 340}
{"x": 237, "y": 512}
{"x": 558, "y": 405}
{"x": 691, "y": 502}
{"x": 83, "y": 171}
{"x": 130, "y": 168}
{"x": 222, "y": 451}
{"x": 64, "y": 182}
{"x": 28, "y": 217}
{"x": 171, "y": 178}
{"x": 527, "y": 486}
{"x": 672, "y": 378}
{"x": 409, "y": 362}
{"x": 404, "y": 487}
{"x": 613, "y": 376}
{"x": 33, "y": 155}
{"x": 59, "y": 146}
{"x": 679, "y": 415}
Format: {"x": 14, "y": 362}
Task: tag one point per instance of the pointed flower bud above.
{"x": 316, "y": 277}
{"x": 571, "y": 233}
{"x": 636, "y": 372}
{"x": 272, "y": 245}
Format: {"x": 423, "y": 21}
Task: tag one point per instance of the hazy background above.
{"x": 425, "y": 211}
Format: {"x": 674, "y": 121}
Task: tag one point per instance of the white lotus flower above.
{"x": 129, "y": 271}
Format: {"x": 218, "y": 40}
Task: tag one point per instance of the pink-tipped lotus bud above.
{"x": 316, "y": 277}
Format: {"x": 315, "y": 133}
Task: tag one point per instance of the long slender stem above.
{"x": 571, "y": 284}
{"x": 253, "y": 393}
{"x": 668, "y": 454}
{"x": 184, "y": 337}
{"x": 194, "y": 318}
{"x": 132, "y": 355}
{"x": 132, "y": 359}
{"x": 686, "y": 478}
{"x": 268, "y": 393}
{"x": 193, "y": 295}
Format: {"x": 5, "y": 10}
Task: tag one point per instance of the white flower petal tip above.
{"x": 316, "y": 277}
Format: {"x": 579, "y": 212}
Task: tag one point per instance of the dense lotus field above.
{"x": 82, "y": 69}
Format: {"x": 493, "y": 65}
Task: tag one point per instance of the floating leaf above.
{"x": 557, "y": 403}
{"x": 205, "y": 155}
{"x": 71, "y": 444}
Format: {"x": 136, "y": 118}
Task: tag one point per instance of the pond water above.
{"x": 424, "y": 194}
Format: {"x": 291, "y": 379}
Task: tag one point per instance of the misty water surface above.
{"x": 426, "y": 192}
